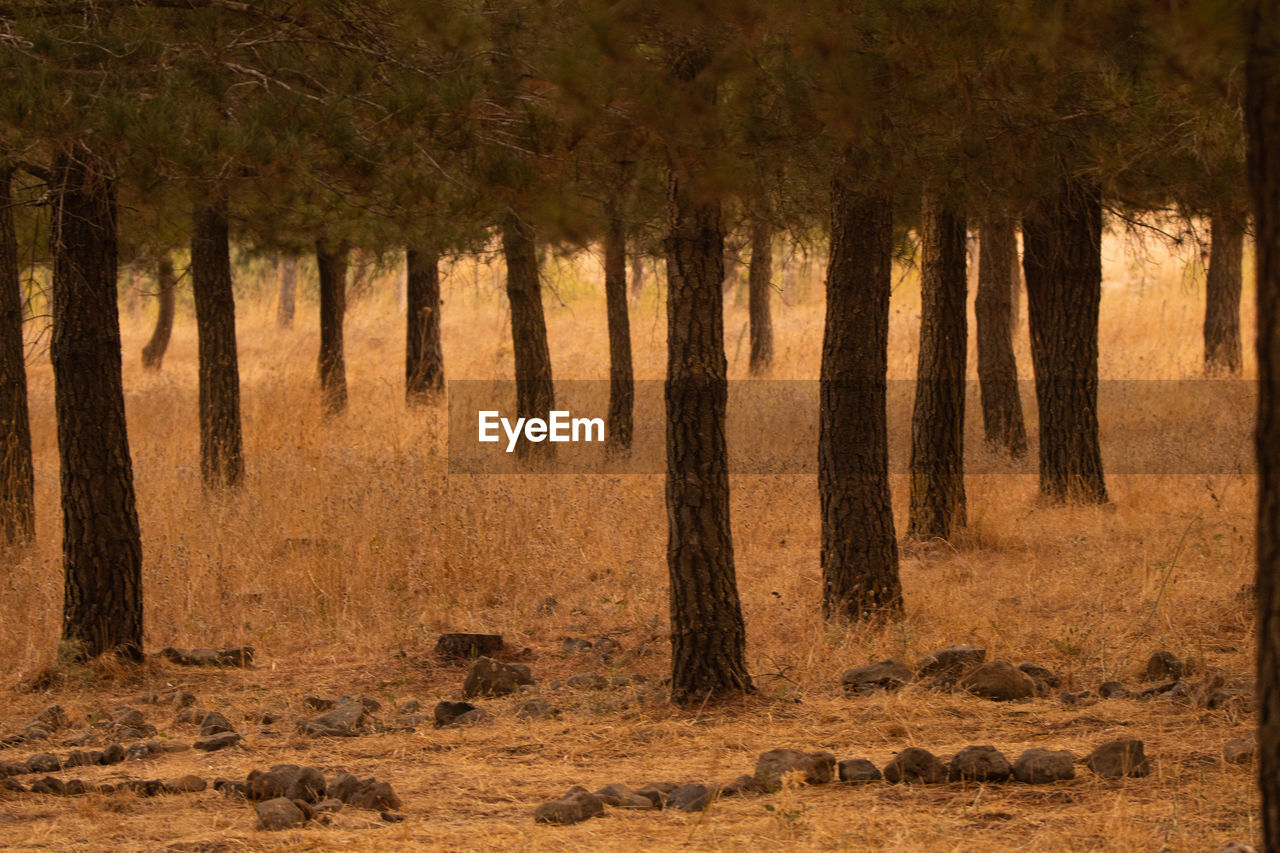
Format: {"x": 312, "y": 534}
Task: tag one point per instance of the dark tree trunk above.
{"x": 937, "y": 421}
{"x": 993, "y": 309}
{"x": 1222, "y": 296}
{"x": 101, "y": 545}
{"x": 424, "y": 354}
{"x": 1262, "y": 115}
{"x": 221, "y": 451}
{"x": 287, "y": 303}
{"x": 859, "y": 544}
{"x": 166, "y": 281}
{"x": 759, "y": 286}
{"x": 17, "y": 479}
{"x": 332, "y": 263}
{"x": 1062, "y": 255}
{"x": 535, "y": 392}
{"x": 637, "y": 275}
{"x": 1015, "y": 286}
{"x": 621, "y": 377}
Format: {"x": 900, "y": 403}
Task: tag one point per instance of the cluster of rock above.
{"x": 238, "y": 656}
{"x": 960, "y": 667}
{"x": 1165, "y": 678}
{"x": 189, "y": 784}
{"x": 775, "y": 768}
{"x": 289, "y": 795}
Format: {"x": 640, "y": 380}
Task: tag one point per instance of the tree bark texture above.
{"x": 166, "y": 282}
{"x": 997, "y": 368}
{"x": 1222, "y": 296}
{"x": 287, "y": 304}
{"x": 535, "y": 391}
{"x": 424, "y": 352}
{"x": 760, "y": 287}
{"x": 17, "y": 478}
{"x": 332, "y": 263}
{"x": 621, "y": 376}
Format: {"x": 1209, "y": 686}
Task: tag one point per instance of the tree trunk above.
{"x": 1262, "y": 115}
{"x": 332, "y": 263}
{"x": 535, "y": 392}
{"x": 859, "y": 544}
{"x": 637, "y": 275}
{"x": 760, "y": 285}
{"x": 166, "y": 281}
{"x": 1015, "y": 286}
{"x": 1222, "y": 296}
{"x": 1062, "y": 256}
{"x": 937, "y": 421}
{"x": 621, "y": 377}
{"x": 17, "y": 479}
{"x": 287, "y": 303}
{"x": 424, "y": 354}
{"x": 221, "y": 451}
{"x": 101, "y": 544}
{"x": 997, "y": 369}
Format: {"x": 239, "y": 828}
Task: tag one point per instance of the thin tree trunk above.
{"x": 1062, "y": 256}
{"x": 101, "y": 544}
{"x": 937, "y": 421}
{"x": 637, "y": 275}
{"x": 424, "y": 353}
{"x": 17, "y": 479}
{"x": 1222, "y": 296}
{"x": 859, "y": 544}
{"x": 332, "y": 264}
{"x": 535, "y": 391}
{"x": 1015, "y": 287}
{"x": 166, "y": 282}
{"x": 287, "y": 303}
{"x": 621, "y": 377}
{"x": 221, "y": 450}
{"x": 760, "y": 286}
{"x": 997, "y": 368}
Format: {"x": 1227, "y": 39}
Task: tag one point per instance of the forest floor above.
{"x": 351, "y": 548}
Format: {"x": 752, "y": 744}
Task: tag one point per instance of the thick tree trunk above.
{"x": 760, "y": 286}
{"x": 1262, "y": 115}
{"x": 166, "y": 281}
{"x": 535, "y": 391}
{"x": 332, "y": 264}
{"x": 424, "y": 353}
{"x": 17, "y": 481}
{"x": 621, "y": 377}
{"x": 993, "y": 309}
{"x": 101, "y": 545}
{"x": 859, "y": 544}
{"x": 1222, "y": 296}
{"x": 287, "y": 303}
{"x": 1062, "y": 256}
{"x": 937, "y": 421}
{"x": 221, "y": 450}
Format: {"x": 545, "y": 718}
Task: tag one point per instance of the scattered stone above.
{"x": 657, "y": 791}
{"x": 1241, "y": 750}
{"x": 446, "y": 712}
{"x": 1164, "y": 666}
{"x": 535, "y": 709}
{"x": 999, "y": 681}
{"x": 587, "y": 681}
{"x": 1117, "y": 758}
{"x": 915, "y": 766}
{"x": 689, "y": 798}
{"x": 189, "y": 784}
{"x": 391, "y": 817}
{"x": 859, "y": 770}
{"x": 747, "y": 783}
{"x": 979, "y": 764}
{"x": 49, "y": 785}
{"x": 574, "y": 807}
{"x": 280, "y": 813}
{"x": 213, "y": 743}
{"x": 1044, "y": 678}
{"x": 574, "y": 645}
{"x": 137, "y": 751}
{"x": 374, "y": 795}
{"x": 954, "y": 659}
{"x": 342, "y": 787}
{"x": 327, "y": 806}
{"x": 467, "y": 646}
{"x": 818, "y": 767}
{"x": 1038, "y": 766}
{"x": 230, "y": 789}
{"x": 888, "y": 674}
{"x": 1114, "y": 690}
{"x": 112, "y": 754}
{"x": 43, "y": 762}
{"x": 621, "y": 797}
{"x": 488, "y": 677}
{"x": 215, "y": 724}
{"x": 241, "y": 656}
{"x": 343, "y": 721}
{"x": 290, "y": 781}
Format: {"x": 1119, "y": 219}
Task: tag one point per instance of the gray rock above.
{"x": 446, "y": 712}
{"x": 488, "y": 677}
{"x": 888, "y": 674}
{"x": 467, "y": 646}
{"x": 620, "y": 796}
{"x": 859, "y": 770}
{"x": 344, "y": 720}
{"x": 998, "y": 680}
{"x": 327, "y": 807}
{"x": 953, "y": 659}
{"x": 49, "y": 785}
{"x": 280, "y": 813}
{"x": 470, "y": 718}
{"x": 215, "y": 723}
{"x": 165, "y": 747}
{"x": 137, "y": 751}
{"x": 112, "y": 754}
{"x": 78, "y": 758}
{"x": 535, "y": 709}
{"x": 52, "y": 718}
{"x": 1038, "y": 766}
{"x": 191, "y": 715}
{"x": 1117, "y": 758}
{"x": 575, "y": 645}
{"x": 212, "y": 743}
{"x": 979, "y": 764}
{"x": 43, "y": 762}
{"x": 1164, "y": 666}
{"x": 689, "y": 798}
{"x": 818, "y": 767}
{"x": 12, "y": 768}
{"x": 574, "y": 807}
{"x": 1241, "y": 750}
{"x": 915, "y": 766}
{"x": 391, "y": 817}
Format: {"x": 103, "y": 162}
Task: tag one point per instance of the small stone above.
{"x": 574, "y": 645}
{"x": 953, "y": 659}
{"x": 113, "y": 754}
{"x": 343, "y": 720}
{"x": 52, "y": 718}
{"x": 888, "y": 674}
{"x": 391, "y": 817}
{"x": 328, "y": 806}
{"x": 859, "y": 770}
{"x": 413, "y": 706}
{"x": 1164, "y": 666}
{"x": 290, "y": 781}
{"x": 374, "y": 795}
{"x": 182, "y": 699}
{"x": 818, "y": 768}
{"x": 212, "y": 743}
{"x": 142, "y": 787}
{"x": 915, "y": 766}
{"x": 621, "y": 797}
{"x": 76, "y": 787}
{"x": 470, "y": 718}
{"x": 79, "y": 758}
{"x": 689, "y": 798}
{"x": 280, "y": 813}
{"x": 319, "y": 703}
{"x": 1241, "y": 750}
{"x": 49, "y": 785}
{"x": 189, "y": 784}
{"x": 1043, "y": 677}
{"x": 488, "y": 677}
{"x": 1038, "y": 766}
{"x": 191, "y": 715}
{"x": 467, "y": 646}
{"x": 1083, "y": 697}
{"x": 1114, "y": 690}
{"x": 657, "y": 791}
{"x": 342, "y": 787}
{"x": 587, "y": 681}
{"x": 747, "y": 783}
{"x": 535, "y": 709}
{"x": 137, "y": 751}
{"x": 446, "y": 712}
{"x": 43, "y": 762}
{"x": 12, "y": 768}
{"x": 14, "y": 785}
{"x": 1117, "y": 758}
{"x": 574, "y": 807}
{"x": 979, "y": 764}
{"x": 215, "y": 723}
{"x": 164, "y": 747}
{"x": 229, "y": 789}
{"x": 998, "y": 680}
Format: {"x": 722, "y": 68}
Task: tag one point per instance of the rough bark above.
{"x": 993, "y": 310}
{"x": 286, "y": 305}
{"x": 535, "y": 392}
{"x": 221, "y": 449}
{"x": 166, "y": 281}
{"x": 859, "y": 545}
{"x": 17, "y": 479}
{"x": 424, "y": 353}
{"x": 101, "y": 545}
{"x": 760, "y": 286}
{"x": 937, "y": 506}
{"x": 1062, "y": 257}
{"x": 1222, "y": 296}
{"x": 621, "y": 376}
{"x": 332, "y": 263}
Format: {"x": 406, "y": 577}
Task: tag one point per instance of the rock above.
{"x": 76, "y": 787}
{"x": 859, "y": 770}
{"x": 343, "y": 721}
{"x": 954, "y": 659}
{"x": 1117, "y": 758}
{"x": 182, "y": 699}
{"x": 213, "y": 743}
{"x": 657, "y": 791}
{"x": 587, "y": 681}
{"x": 467, "y": 646}
{"x": 1164, "y": 666}
{"x": 1241, "y": 750}
{"x": 574, "y": 807}
{"x": 488, "y": 677}
{"x": 915, "y": 765}
{"x": 627, "y": 680}
{"x": 191, "y": 715}
{"x": 229, "y": 789}
{"x": 1045, "y": 679}
{"x": 290, "y": 781}
{"x": 747, "y": 783}
{"x": 329, "y": 806}
{"x": 43, "y": 762}
{"x": 14, "y": 785}
{"x": 164, "y": 747}
{"x": 1083, "y": 697}
{"x": 280, "y": 813}
{"x": 112, "y": 754}
{"x": 535, "y": 709}
{"x": 214, "y": 724}
{"x": 79, "y": 758}
{"x": 446, "y": 712}
{"x": 34, "y": 733}
{"x": 1114, "y": 690}
{"x": 689, "y": 798}
{"x": 391, "y": 817}
{"x": 52, "y": 718}
{"x": 998, "y": 680}
{"x": 413, "y": 706}
{"x": 189, "y": 784}
{"x": 137, "y": 751}
{"x": 979, "y": 764}
{"x": 1038, "y": 766}
{"x": 374, "y": 795}
{"x": 621, "y": 797}
{"x": 142, "y": 787}
{"x": 412, "y": 721}
{"x": 241, "y": 656}
{"x": 818, "y": 767}
{"x": 12, "y": 768}
{"x": 470, "y": 718}
{"x": 888, "y": 674}
{"x": 49, "y": 785}
{"x": 574, "y": 645}
{"x": 606, "y": 647}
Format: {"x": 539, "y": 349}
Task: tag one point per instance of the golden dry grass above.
{"x": 398, "y": 552}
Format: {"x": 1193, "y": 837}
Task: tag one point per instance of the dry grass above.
{"x": 396, "y": 552}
